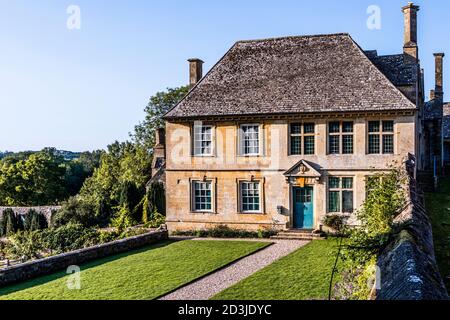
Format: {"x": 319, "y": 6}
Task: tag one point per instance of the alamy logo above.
{"x": 74, "y": 279}
{"x": 74, "y": 19}
{"x": 374, "y": 19}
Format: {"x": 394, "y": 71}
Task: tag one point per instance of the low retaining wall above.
{"x": 33, "y": 269}
{"x": 46, "y": 210}
{"x": 408, "y": 265}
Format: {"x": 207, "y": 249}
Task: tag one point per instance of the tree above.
{"x": 159, "y": 104}
{"x": 34, "y": 220}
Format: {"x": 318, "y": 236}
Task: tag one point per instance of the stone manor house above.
{"x": 281, "y": 132}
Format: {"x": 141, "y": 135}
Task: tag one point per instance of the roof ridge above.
{"x": 294, "y": 37}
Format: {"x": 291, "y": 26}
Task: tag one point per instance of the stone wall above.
{"x": 57, "y": 263}
{"x": 408, "y": 265}
{"x": 46, "y": 210}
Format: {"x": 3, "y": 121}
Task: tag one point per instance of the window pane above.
{"x": 347, "y": 183}
{"x": 309, "y": 128}
{"x": 374, "y": 126}
{"x": 388, "y": 126}
{"x": 309, "y": 145}
{"x": 335, "y": 183}
{"x": 347, "y": 144}
{"x": 250, "y": 140}
{"x": 347, "y": 127}
{"x": 296, "y": 145}
{"x": 296, "y": 128}
{"x": 333, "y": 201}
{"x": 334, "y": 127}
{"x": 202, "y": 196}
{"x": 388, "y": 144}
{"x": 334, "y": 144}
{"x": 250, "y": 196}
{"x": 202, "y": 140}
{"x": 347, "y": 201}
{"x": 374, "y": 144}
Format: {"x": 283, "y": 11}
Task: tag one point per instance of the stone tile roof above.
{"x": 307, "y": 74}
{"x": 432, "y": 110}
{"x": 446, "y": 121}
{"x": 394, "y": 68}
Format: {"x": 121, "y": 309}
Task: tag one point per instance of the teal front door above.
{"x": 303, "y": 208}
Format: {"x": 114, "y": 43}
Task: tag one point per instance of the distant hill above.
{"x": 67, "y": 155}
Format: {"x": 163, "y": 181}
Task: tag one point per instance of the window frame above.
{"x": 194, "y": 141}
{"x": 381, "y": 134}
{"x": 241, "y": 147}
{"x": 212, "y": 182}
{"x": 260, "y": 194}
{"x": 341, "y": 134}
{"x": 340, "y": 190}
{"x": 302, "y": 135}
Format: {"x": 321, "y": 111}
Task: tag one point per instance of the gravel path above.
{"x": 215, "y": 283}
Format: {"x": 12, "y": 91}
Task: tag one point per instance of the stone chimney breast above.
{"x": 410, "y": 47}
{"x": 195, "y": 71}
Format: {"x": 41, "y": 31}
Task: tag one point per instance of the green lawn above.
{"x": 438, "y": 206}
{"x": 140, "y": 275}
{"x": 302, "y": 275}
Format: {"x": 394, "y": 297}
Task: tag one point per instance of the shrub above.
{"x": 335, "y": 222}
{"x": 76, "y": 211}
{"x": 130, "y": 198}
{"x": 156, "y": 220}
{"x": 10, "y": 223}
{"x": 69, "y": 237}
{"x": 25, "y": 246}
{"x": 225, "y": 232}
{"x": 34, "y": 220}
{"x": 123, "y": 219}
{"x": 157, "y": 197}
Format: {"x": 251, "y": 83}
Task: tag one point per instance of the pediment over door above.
{"x": 303, "y": 172}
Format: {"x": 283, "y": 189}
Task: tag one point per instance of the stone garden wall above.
{"x": 33, "y": 269}
{"x": 46, "y": 210}
{"x": 408, "y": 265}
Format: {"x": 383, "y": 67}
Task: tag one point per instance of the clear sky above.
{"x": 81, "y": 89}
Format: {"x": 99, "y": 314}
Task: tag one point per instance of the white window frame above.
{"x": 192, "y": 195}
{"x": 194, "y": 141}
{"x": 241, "y": 198}
{"x": 241, "y": 140}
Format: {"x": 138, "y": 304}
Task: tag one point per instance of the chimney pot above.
{"x": 195, "y": 71}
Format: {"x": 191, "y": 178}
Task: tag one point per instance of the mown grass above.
{"x": 438, "y": 206}
{"x": 140, "y": 275}
{"x": 302, "y": 275}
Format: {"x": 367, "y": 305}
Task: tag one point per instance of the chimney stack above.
{"x": 439, "y": 90}
{"x": 410, "y": 47}
{"x": 195, "y": 71}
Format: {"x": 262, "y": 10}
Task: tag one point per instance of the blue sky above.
{"x": 83, "y": 89}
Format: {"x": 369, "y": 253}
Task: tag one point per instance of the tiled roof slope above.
{"x": 446, "y": 121}
{"x": 394, "y": 68}
{"x": 325, "y": 73}
{"x": 433, "y": 110}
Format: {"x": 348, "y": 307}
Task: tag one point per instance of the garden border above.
{"x": 46, "y": 266}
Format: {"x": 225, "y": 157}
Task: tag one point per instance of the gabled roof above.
{"x": 292, "y": 75}
{"x": 395, "y": 68}
{"x": 303, "y": 169}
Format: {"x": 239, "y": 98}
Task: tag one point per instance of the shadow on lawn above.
{"x": 86, "y": 266}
